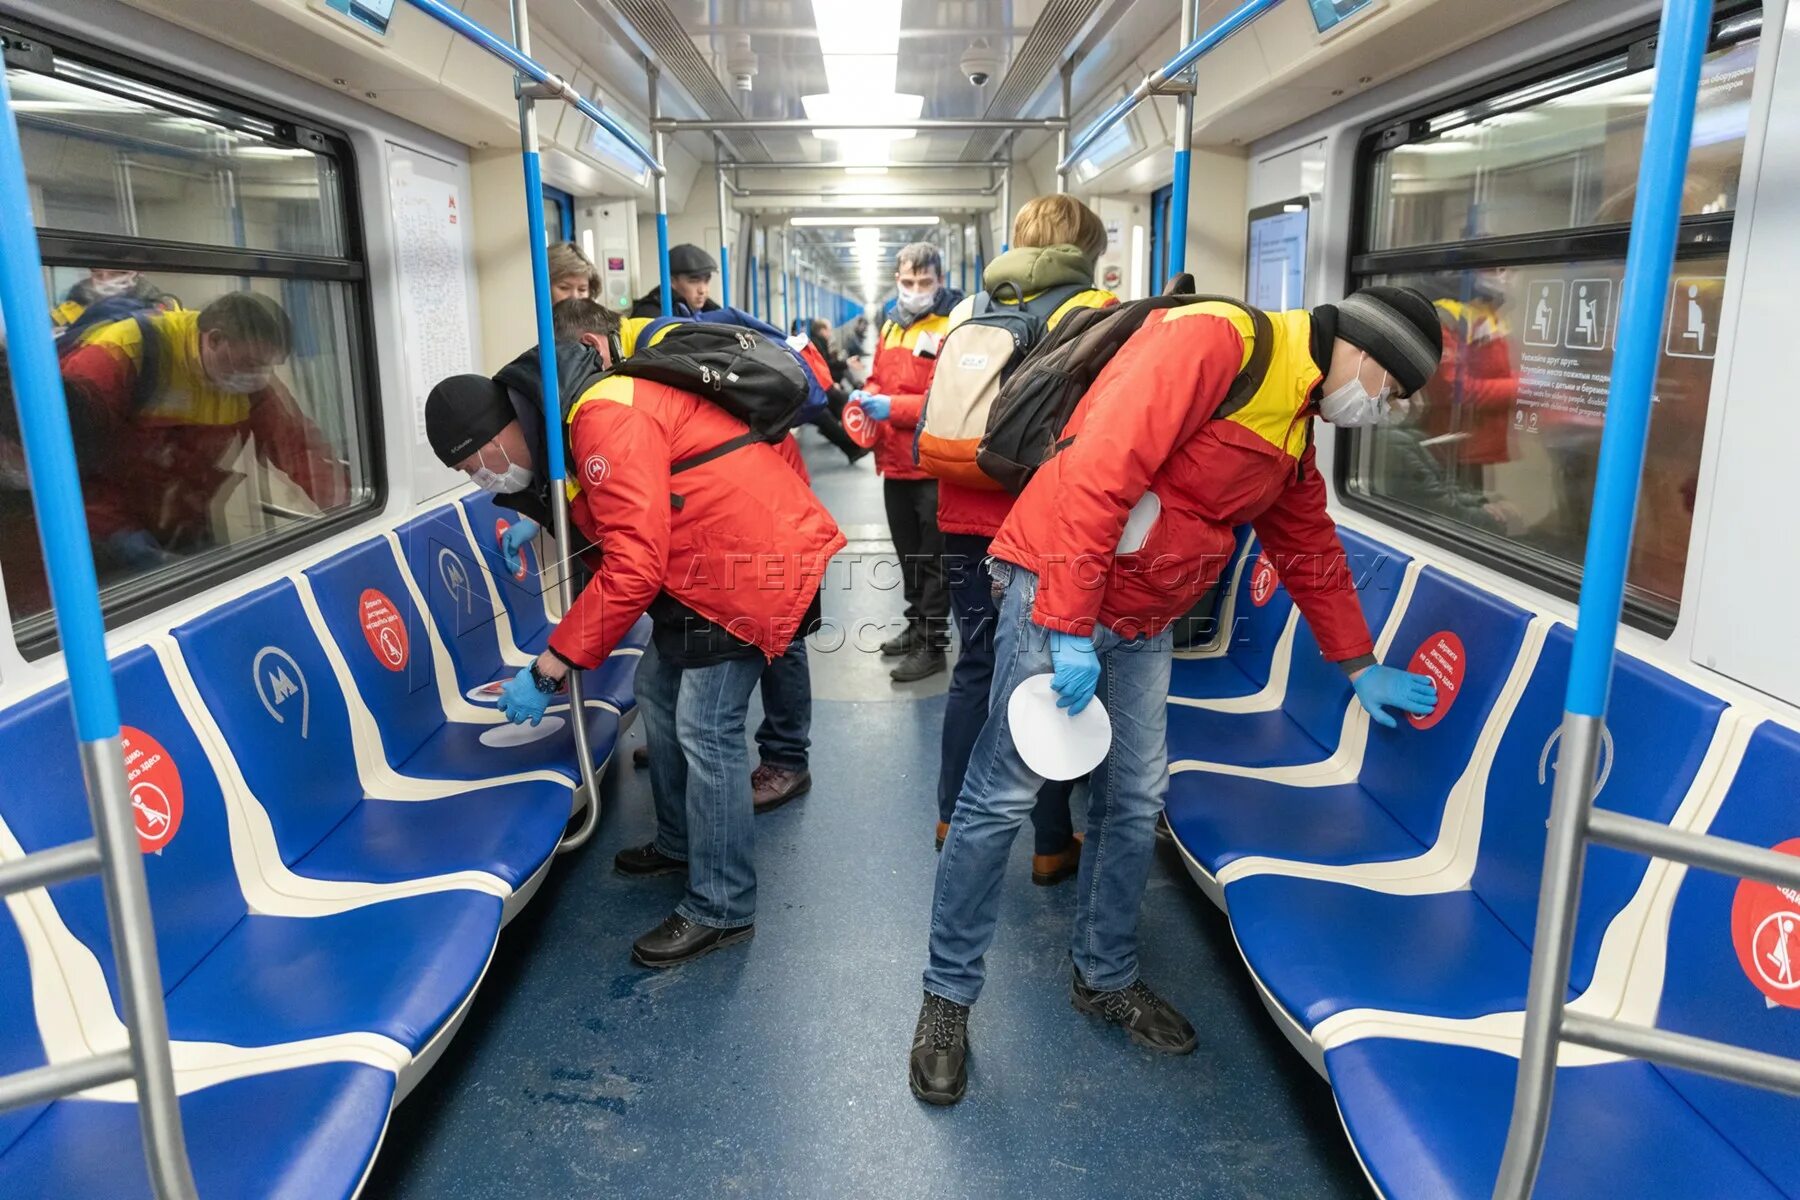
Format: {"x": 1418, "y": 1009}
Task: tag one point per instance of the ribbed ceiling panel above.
{"x": 1038, "y": 59}
{"x": 684, "y": 64}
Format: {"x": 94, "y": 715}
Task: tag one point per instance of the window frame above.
{"x": 36, "y": 636}
{"x": 1700, "y": 235}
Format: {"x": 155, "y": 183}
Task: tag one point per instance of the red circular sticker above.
{"x": 155, "y": 789}
{"x": 500, "y": 528}
{"x": 1441, "y": 658}
{"x": 595, "y": 470}
{"x": 859, "y": 425}
{"x": 1765, "y": 929}
{"x": 385, "y": 629}
{"x": 1263, "y": 581}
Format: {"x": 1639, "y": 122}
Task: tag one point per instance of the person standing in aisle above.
{"x": 905, "y": 358}
{"x": 1056, "y": 240}
{"x": 1087, "y": 595}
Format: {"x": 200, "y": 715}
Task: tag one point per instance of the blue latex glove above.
{"x": 520, "y": 533}
{"x": 520, "y": 700}
{"x": 1379, "y": 686}
{"x": 1077, "y": 670}
{"x": 877, "y": 407}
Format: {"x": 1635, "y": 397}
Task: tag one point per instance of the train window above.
{"x": 1497, "y": 454}
{"x": 209, "y": 319}
{"x": 1557, "y": 155}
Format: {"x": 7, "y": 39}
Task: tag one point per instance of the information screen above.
{"x": 1329, "y": 14}
{"x": 1278, "y": 256}
{"x": 372, "y": 14}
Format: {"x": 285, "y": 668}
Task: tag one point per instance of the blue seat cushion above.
{"x": 305, "y": 1134}
{"x": 1210, "y": 679}
{"x": 507, "y": 831}
{"x": 1221, "y": 818}
{"x": 399, "y": 968}
{"x": 1264, "y": 739}
{"x": 456, "y": 750}
{"x": 1429, "y": 1122}
{"x": 1322, "y": 948}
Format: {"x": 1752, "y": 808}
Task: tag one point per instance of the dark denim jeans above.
{"x": 700, "y": 777}
{"x": 1128, "y": 790}
{"x": 783, "y": 737}
{"x": 971, "y": 683}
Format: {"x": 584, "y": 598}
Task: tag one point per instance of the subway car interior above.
{"x": 1348, "y": 788}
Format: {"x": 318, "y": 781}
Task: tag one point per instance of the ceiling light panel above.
{"x": 858, "y": 26}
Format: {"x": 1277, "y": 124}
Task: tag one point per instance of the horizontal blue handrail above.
{"x": 1233, "y": 21}
{"x": 505, "y": 51}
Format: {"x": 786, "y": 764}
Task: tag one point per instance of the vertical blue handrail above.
{"x": 1175, "y": 247}
{"x": 724, "y": 275}
{"x": 546, "y": 326}
{"x": 750, "y": 284}
{"x": 1649, "y": 261}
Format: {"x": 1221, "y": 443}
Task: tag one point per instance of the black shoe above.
{"x": 913, "y": 635}
{"x": 1151, "y": 1021}
{"x": 678, "y": 940}
{"x": 921, "y": 662}
{"x": 646, "y": 860}
{"x": 640, "y": 757}
{"x": 939, "y": 1067}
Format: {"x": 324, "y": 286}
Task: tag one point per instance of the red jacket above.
{"x": 746, "y": 548}
{"x": 903, "y": 374}
{"x": 1147, "y": 425}
{"x": 1471, "y": 397}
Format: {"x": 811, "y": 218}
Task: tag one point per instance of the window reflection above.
{"x": 1504, "y": 440}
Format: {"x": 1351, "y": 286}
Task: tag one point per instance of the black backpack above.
{"x": 1028, "y": 417}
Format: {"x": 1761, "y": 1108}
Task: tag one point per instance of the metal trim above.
{"x": 46, "y": 868}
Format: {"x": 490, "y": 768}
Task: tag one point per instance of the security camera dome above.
{"x": 980, "y": 63}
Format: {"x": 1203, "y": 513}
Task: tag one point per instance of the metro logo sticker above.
{"x": 156, "y": 797}
{"x": 500, "y": 528}
{"x": 859, "y": 425}
{"x": 1765, "y": 931}
{"x": 1263, "y": 581}
{"x": 1441, "y": 659}
{"x": 385, "y": 629}
{"x": 595, "y": 470}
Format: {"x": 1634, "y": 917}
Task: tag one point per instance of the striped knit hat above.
{"x": 1399, "y": 329}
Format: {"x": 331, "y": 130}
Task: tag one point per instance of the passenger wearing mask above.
{"x": 714, "y": 628}
{"x": 1081, "y": 603}
{"x": 1056, "y": 240}
{"x": 129, "y": 289}
{"x": 160, "y": 402}
{"x": 691, "y": 272}
{"x": 572, "y": 275}
{"x": 894, "y": 396}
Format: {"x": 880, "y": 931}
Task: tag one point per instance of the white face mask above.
{"x": 913, "y": 303}
{"x": 243, "y": 383}
{"x": 1352, "y": 405}
{"x": 107, "y": 289}
{"x": 502, "y": 483}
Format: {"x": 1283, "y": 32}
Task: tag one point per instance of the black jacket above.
{"x": 650, "y": 305}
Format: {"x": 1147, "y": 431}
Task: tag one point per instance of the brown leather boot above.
{"x": 1048, "y": 870}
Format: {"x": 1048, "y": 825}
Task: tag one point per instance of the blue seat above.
{"x": 295, "y": 1134}
{"x": 476, "y": 631}
{"x": 398, "y": 968}
{"x": 1393, "y": 809}
{"x": 1322, "y": 947}
{"x": 523, "y": 595}
{"x": 1430, "y": 1120}
{"x": 268, "y": 686}
{"x": 1307, "y": 726}
{"x": 1249, "y": 642}
{"x": 369, "y": 612}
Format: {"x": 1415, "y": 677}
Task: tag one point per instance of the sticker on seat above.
{"x": 1765, "y": 930}
{"x": 1441, "y": 658}
{"x": 155, "y": 789}
{"x": 385, "y": 629}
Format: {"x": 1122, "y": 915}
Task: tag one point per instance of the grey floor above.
{"x": 778, "y": 1069}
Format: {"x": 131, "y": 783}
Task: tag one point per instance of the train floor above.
{"x": 778, "y": 1069}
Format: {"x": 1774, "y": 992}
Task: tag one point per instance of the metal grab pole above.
{"x": 1184, "y": 144}
{"x": 1062, "y": 135}
{"x": 49, "y": 447}
{"x": 1656, "y": 219}
{"x": 554, "y": 436}
{"x": 654, "y": 73}
{"x": 1153, "y": 82}
{"x": 1006, "y": 207}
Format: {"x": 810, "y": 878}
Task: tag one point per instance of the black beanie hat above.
{"x": 463, "y": 413}
{"x": 1399, "y": 328}
{"x": 689, "y": 259}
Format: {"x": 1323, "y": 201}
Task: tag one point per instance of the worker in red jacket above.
{"x": 730, "y": 575}
{"x": 1110, "y": 542}
{"x": 905, "y": 358}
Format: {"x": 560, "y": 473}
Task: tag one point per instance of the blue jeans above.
{"x": 971, "y": 687}
{"x": 782, "y": 738}
{"x": 1127, "y": 794}
{"x": 700, "y": 777}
